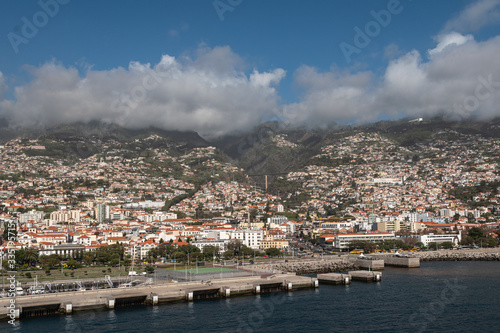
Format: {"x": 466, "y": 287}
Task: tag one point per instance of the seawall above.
{"x": 459, "y": 255}
{"x": 308, "y": 267}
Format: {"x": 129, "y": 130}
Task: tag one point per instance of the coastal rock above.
{"x": 308, "y": 267}
{"x": 459, "y": 255}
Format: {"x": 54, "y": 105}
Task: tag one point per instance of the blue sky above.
{"x": 93, "y": 60}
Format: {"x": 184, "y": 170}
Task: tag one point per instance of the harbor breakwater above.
{"x": 460, "y": 255}
{"x": 309, "y": 267}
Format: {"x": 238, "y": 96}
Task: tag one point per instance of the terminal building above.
{"x": 455, "y": 238}
{"x": 342, "y": 241}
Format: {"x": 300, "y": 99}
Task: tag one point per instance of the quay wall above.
{"x": 68, "y": 302}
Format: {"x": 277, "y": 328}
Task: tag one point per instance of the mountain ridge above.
{"x": 270, "y": 148}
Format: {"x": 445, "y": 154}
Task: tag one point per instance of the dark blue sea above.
{"x": 438, "y": 297}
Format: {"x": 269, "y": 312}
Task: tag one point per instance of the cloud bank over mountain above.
{"x": 208, "y": 94}
{"x": 212, "y": 93}
{"x": 460, "y": 79}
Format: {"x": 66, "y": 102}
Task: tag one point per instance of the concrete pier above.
{"x": 70, "y": 302}
{"x": 396, "y": 261}
{"x": 334, "y": 278}
{"x": 368, "y": 263}
{"x": 377, "y": 262}
{"x": 366, "y": 276}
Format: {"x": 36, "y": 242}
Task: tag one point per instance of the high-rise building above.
{"x": 101, "y": 212}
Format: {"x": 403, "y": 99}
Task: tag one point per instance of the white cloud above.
{"x": 449, "y": 40}
{"x": 208, "y": 94}
{"x": 475, "y": 16}
{"x": 267, "y": 79}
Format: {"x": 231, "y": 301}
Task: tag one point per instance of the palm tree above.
{"x": 31, "y": 255}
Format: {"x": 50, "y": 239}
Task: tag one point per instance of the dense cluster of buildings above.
{"x": 391, "y": 185}
{"x": 361, "y": 187}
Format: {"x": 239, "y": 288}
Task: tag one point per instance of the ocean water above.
{"x": 438, "y": 297}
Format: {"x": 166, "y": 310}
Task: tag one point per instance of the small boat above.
{"x": 20, "y": 291}
{"x": 36, "y": 290}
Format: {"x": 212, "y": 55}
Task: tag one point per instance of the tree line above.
{"x": 112, "y": 255}
{"x": 184, "y": 253}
